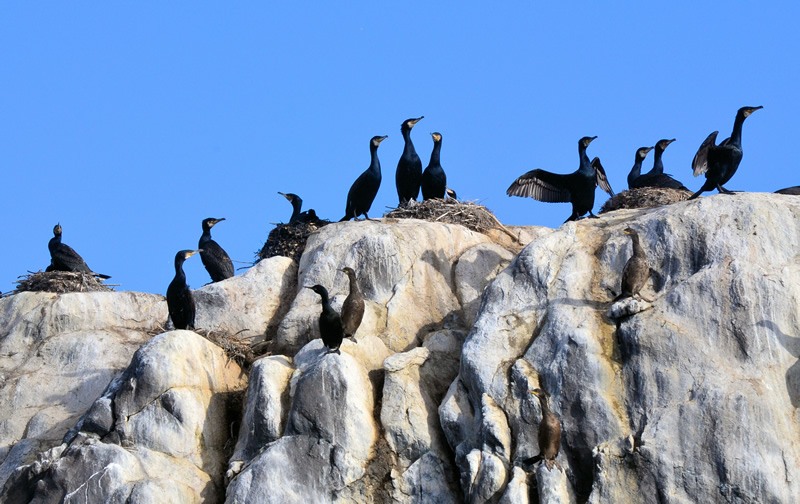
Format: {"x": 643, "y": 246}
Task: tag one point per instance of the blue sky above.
{"x": 129, "y": 123}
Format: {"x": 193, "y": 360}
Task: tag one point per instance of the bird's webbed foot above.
{"x": 592, "y": 216}
{"x": 722, "y": 190}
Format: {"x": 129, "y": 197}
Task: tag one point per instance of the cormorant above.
{"x": 64, "y": 258}
{"x": 636, "y": 171}
{"x": 330, "y": 323}
{"x": 720, "y": 162}
{"x": 363, "y": 191}
{"x": 214, "y": 257}
{"x": 434, "y": 180}
{"x": 409, "y": 168}
{"x": 656, "y": 176}
{"x": 353, "y": 306}
{"x": 636, "y": 270}
{"x": 549, "y": 432}
{"x": 180, "y": 302}
{"x": 307, "y": 217}
{"x": 794, "y": 190}
{"x": 576, "y": 188}
{"x": 451, "y": 193}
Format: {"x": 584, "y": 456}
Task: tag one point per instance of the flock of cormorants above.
{"x": 718, "y": 162}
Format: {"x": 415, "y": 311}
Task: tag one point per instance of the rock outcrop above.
{"x": 688, "y": 393}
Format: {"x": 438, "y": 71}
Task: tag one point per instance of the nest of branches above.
{"x": 60, "y": 282}
{"x": 449, "y": 211}
{"x": 288, "y": 240}
{"x": 645, "y": 197}
{"x": 237, "y": 350}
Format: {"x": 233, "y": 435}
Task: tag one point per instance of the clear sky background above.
{"x": 130, "y": 122}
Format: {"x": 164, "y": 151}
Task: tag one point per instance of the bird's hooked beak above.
{"x": 192, "y": 252}
{"x": 750, "y": 110}
{"x": 412, "y": 122}
{"x": 382, "y": 138}
{"x": 217, "y": 221}
{"x": 285, "y": 196}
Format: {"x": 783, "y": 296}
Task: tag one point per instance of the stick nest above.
{"x": 645, "y": 197}
{"x": 238, "y": 350}
{"x": 449, "y": 211}
{"x": 288, "y": 240}
{"x": 60, "y": 282}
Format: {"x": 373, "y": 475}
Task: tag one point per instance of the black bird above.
{"x": 549, "y": 435}
{"x": 409, "y": 168}
{"x": 363, "y": 191}
{"x": 64, "y": 258}
{"x": 214, "y": 257}
{"x": 330, "y": 323}
{"x": 180, "y": 302}
{"x": 451, "y": 193}
{"x": 794, "y": 190}
{"x": 720, "y": 162}
{"x": 307, "y": 217}
{"x": 353, "y": 306}
{"x": 434, "y": 180}
{"x": 576, "y": 188}
{"x": 636, "y": 171}
{"x": 656, "y": 176}
{"x": 636, "y": 270}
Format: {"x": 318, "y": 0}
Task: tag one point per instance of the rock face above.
{"x": 687, "y": 394}
{"x": 57, "y": 355}
{"x": 693, "y": 399}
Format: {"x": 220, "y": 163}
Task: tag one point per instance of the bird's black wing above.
{"x": 542, "y": 185}
{"x": 700, "y": 161}
{"x": 600, "y": 176}
{"x": 216, "y": 260}
{"x": 64, "y": 258}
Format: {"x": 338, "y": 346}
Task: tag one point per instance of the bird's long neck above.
{"x": 736, "y": 134}
{"x": 408, "y": 149}
{"x": 545, "y": 404}
{"x": 658, "y": 166}
{"x": 54, "y": 242}
{"x": 586, "y": 165}
{"x": 637, "y": 246}
{"x": 297, "y": 206}
{"x": 437, "y": 149}
{"x": 374, "y": 163}
{"x": 206, "y": 236}
{"x": 353, "y": 282}
{"x": 179, "y": 274}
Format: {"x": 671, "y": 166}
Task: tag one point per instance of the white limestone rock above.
{"x": 404, "y": 269}
{"x": 245, "y": 305}
{"x": 58, "y": 353}
{"x": 170, "y": 408}
{"x": 705, "y": 380}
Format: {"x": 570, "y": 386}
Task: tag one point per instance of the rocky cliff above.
{"x": 688, "y": 394}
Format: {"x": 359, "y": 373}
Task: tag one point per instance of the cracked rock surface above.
{"x": 688, "y": 393}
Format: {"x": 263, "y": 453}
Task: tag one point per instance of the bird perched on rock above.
{"x": 307, "y": 217}
{"x": 180, "y": 302}
{"x": 576, "y": 188}
{"x": 353, "y": 306}
{"x": 720, "y": 162}
{"x": 330, "y": 323}
{"x": 64, "y": 258}
{"x": 409, "y": 168}
{"x": 656, "y": 176}
{"x": 215, "y": 259}
{"x": 636, "y": 170}
{"x": 636, "y": 270}
{"x": 363, "y": 191}
{"x": 434, "y": 180}
{"x": 549, "y": 433}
